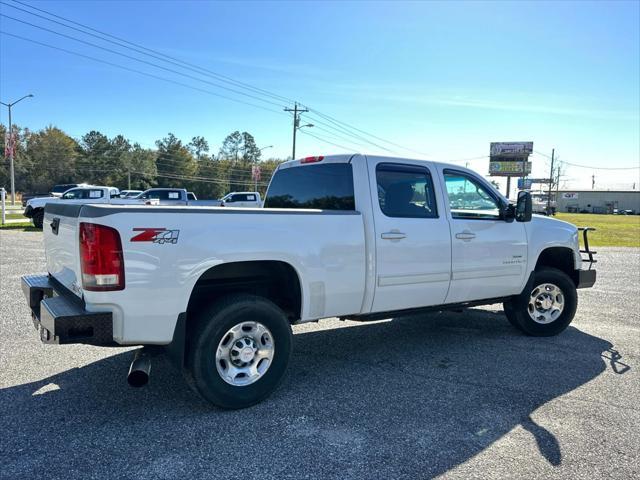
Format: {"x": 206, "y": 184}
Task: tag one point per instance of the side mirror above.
{"x": 524, "y": 207}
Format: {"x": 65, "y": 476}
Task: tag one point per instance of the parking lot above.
{"x": 457, "y": 395}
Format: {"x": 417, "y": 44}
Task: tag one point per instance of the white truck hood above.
{"x": 41, "y": 201}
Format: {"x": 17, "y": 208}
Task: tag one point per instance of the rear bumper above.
{"x": 586, "y": 278}
{"x": 60, "y": 315}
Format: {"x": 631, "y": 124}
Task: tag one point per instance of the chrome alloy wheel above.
{"x": 546, "y": 303}
{"x": 245, "y": 353}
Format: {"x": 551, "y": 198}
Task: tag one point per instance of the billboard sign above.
{"x": 508, "y": 168}
{"x": 507, "y": 159}
{"x": 511, "y": 149}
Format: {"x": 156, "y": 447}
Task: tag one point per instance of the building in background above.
{"x": 598, "y": 201}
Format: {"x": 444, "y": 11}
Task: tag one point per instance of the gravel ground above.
{"x": 457, "y": 395}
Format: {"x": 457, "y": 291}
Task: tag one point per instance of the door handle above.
{"x": 55, "y": 225}
{"x": 465, "y": 235}
{"x": 393, "y": 235}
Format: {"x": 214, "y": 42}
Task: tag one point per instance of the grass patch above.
{"x": 15, "y": 216}
{"x": 24, "y": 226}
{"x": 611, "y": 230}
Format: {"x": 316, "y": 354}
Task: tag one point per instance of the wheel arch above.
{"x": 561, "y": 258}
{"x": 275, "y": 280}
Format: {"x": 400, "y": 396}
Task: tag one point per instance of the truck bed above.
{"x": 168, "y": 248}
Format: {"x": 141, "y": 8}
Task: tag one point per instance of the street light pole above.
{"x": 12, "y": 148}
{"x": 255, "y": 173}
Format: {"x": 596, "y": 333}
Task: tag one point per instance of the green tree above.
{"x": 95, "y": 162}
{"x": 199, "y": 147}
{"x": 140, "y": 167}
{"x": 231, "y": 147}
{"x": 52, "y": 156}
{"x": 117, "y": 161}
{"x": 250, "y": 151}
{"x": 174, "y": 160}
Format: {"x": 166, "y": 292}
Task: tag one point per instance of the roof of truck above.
{"x": 344, "y": 158}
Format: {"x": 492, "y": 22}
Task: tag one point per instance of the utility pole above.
{"x": 553, "y": 154}
{"x": 558, "y": 183}
{"x": 593, "y": 182}
{"x": 296, "y": 124}
{"x": 12, "y": 145}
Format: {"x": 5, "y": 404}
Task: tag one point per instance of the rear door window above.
{"x": 405, "y": 191}
{"x": 325, "y": 187}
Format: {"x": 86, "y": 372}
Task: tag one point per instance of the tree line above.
{"x": 49, "y": 156}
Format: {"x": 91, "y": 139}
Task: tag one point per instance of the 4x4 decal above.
{"x": 156, "y": 235}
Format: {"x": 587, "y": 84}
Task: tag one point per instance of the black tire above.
{"x": 38, "y": 218}
{"x": 517, "y": 308}
{"x": 214, "y": 323}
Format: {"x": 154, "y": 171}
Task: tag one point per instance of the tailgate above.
{"x": 61, "y": 247}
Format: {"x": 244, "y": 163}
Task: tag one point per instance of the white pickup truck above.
{"x": 242, "y": 200}
{"x": 350, "y": 236}
{"x": 80, "y": 194}
{"x": 99, "y": 195}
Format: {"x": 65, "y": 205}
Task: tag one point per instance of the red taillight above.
{"x": 319, "y": 158}
{"x": 101, "y": 258}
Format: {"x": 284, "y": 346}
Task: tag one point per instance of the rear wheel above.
{"x": 239, "y": 351}
{"x": 548, "y": 308}
{"x": 38, "y": 218}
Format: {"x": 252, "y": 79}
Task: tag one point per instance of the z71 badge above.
{"x": 155, "y": 235}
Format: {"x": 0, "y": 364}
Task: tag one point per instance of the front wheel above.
{"x": 239, "y": 352}
{"x": 548, "y": 308}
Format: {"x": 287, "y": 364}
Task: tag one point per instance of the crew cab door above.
{"x": 489, "y": 254}
{"x": 412, "y": 241}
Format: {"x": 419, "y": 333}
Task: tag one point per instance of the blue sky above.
{"x": 444, "y": 79}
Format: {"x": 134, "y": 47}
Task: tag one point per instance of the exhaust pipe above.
{"x": 140, "y": 368}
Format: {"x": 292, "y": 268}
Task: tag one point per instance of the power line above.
{"x": 140, "y": 72}
{"x": 338, "y": 137}
{"x": 327, "y": 141}
{"x": 151, "y": 63}
{"x": 333, "y": 122}
{"x": 588, "y": 166}
{"x": 198, "y": 69}
{"x": 155, "y": 65}
{"x": 600, "y": 168}
{"x": 338, "y": 122}
{"x": 141, "y": 49}
{"x": 343, "y": 130}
